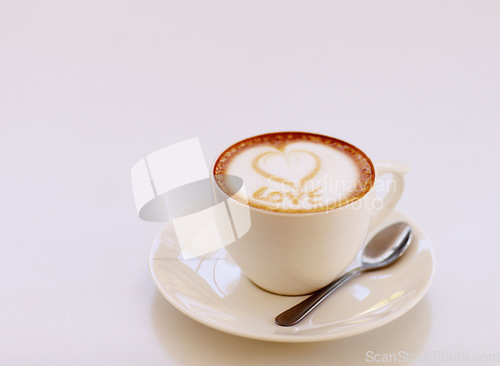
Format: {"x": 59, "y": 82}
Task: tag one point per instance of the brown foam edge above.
{"x": 279, "y": 140}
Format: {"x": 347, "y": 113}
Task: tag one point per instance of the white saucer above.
{"x": 213, "y": 291}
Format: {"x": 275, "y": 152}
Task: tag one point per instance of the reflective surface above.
{"x": 213, "y": 291}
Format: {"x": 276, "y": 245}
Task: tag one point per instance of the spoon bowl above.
{"x": 386, "y": 246}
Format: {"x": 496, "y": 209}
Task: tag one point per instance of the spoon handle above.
{"x": 298, "y": 312}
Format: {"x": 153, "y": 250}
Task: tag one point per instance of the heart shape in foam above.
{"x": 292, "y": 168}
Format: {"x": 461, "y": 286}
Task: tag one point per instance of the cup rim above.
{"x": 299, "y": 213}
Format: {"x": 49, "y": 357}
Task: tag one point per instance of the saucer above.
{"x": 213, "y": 291}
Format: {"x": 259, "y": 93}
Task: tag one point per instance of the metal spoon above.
{"x": 385, "y": 247}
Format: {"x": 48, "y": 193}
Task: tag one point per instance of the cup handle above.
{"x": 393, "y": 190}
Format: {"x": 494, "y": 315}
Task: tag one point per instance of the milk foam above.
{"x": 295, "y": 177}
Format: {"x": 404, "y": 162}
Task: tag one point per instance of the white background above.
{"x": 87, "y": 88}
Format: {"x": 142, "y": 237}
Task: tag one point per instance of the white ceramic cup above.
{"x": 298, "y": 253}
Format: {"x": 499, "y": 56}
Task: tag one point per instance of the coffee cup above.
{"x": 312, "y": 199}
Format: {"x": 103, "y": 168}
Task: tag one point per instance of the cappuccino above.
{"x": 295, "y": 172}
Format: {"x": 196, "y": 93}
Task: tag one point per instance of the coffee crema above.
{"x": 295, "y": 172}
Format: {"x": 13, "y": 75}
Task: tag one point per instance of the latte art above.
{"x": 293, "y": 168}
{"x": 295, "y": 172}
